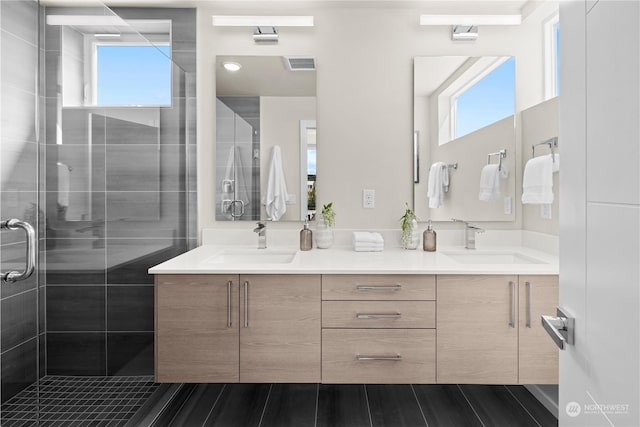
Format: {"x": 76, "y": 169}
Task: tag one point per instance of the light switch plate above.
{"x": 545, "y": 211}
{"x": 368, "y": 199}
{"x": 507, "y": 205}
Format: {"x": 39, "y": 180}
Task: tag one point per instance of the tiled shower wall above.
{"x": 131, "y": 205}
{"x": 20, "y": 139}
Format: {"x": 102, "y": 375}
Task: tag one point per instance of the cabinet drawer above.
{"x": 380, "y": 356}
{"x": 379, "y": 314}
{"x": 378, "y": 287}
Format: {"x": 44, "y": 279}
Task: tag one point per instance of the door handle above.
{"x": 528, "y": 288}
{"x": 229, "y": 287}
{"x": 30, "y": 265}
{"x": 246, "y": 304}
{"x": 560, "y": 328}
{"x": 512, "y": 315}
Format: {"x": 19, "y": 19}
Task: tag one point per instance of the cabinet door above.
{"x": 197, "y": 334}
{"x": 538, "y": 355}
{"x": 280, "y": 328}
{"x": 477, "y": 334}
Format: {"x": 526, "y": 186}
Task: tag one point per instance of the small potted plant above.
{"x": 324, "y": 232}
{"x": 409, "y": 226}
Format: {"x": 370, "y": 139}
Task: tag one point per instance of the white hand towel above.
{"x": 489, "y": 183}
{"x": 438, "y": 184}
{"x": 537, "y": 182}
{"x": 367, "y": 237}
{"x": 275, "y": 198}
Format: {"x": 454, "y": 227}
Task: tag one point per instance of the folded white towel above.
{"x": 369, "y": 248}
{"x": 275, "y": 198}
{"x": 537, "y": 182}
{"x": 367, "y": 237}
{"x": 438, "y": 184}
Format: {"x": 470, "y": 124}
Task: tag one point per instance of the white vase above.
{"x": 323, "y": 235}
{"x": 411, "y": 236}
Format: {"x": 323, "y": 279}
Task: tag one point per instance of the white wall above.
{"x": 364, "y": 92}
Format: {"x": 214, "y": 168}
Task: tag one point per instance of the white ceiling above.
{"x": 262, "y": 76}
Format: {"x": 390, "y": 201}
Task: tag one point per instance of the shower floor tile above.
{"x": 67, "y": 401}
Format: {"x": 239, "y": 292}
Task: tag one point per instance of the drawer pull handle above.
{"x": 229, "y": 286}
{"x": 396, "y": 358}
{"x": 378, "y": 316}
{"x": 379, "y": 288}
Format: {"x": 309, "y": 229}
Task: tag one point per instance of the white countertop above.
{"x": 343, "y": 260}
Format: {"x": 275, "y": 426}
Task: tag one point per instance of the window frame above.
{"x": 551, "y": 77}
{"x": 126, "y": 40}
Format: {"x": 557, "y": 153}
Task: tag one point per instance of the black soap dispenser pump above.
{"x": 306, "y": 237}
{"x": 429, "y": 239}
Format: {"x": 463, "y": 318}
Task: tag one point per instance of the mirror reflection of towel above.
{"x": 275, "y": 196}
{"x": 233, "y": 185}
{"x": 63, "y": 185}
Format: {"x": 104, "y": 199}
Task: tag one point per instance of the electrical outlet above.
{"x": 368, "y": 199}
{"x": 545, "y": 211}
{"x": 507, "y": 205}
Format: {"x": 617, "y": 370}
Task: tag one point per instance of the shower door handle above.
{"x": 16, "y": 224}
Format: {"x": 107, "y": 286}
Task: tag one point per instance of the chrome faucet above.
{"x": 469, "y": 233}
{"x": 261, "y": 229}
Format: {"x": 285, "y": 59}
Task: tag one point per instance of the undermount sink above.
{"x": 493, "y": 257}
{"x": 253, "y": 256}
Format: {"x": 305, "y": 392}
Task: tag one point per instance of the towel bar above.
{"x": 501, "y": 155}
{"x": 552, "y": 143}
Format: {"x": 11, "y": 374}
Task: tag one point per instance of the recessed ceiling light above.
{"x": 231, "y": 66}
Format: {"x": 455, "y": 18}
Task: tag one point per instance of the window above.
{"x": 130, "y": 74}
{"x": 552, "y": 56}
{"x": 488, "y": 98}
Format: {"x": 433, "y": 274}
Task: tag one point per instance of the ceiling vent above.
{"x": 299, "y": 63}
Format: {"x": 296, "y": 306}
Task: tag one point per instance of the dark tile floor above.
{"x": 78, "y": 401}
{"x": 301, "y": 405}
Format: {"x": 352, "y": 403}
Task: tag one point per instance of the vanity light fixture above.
{"x": 262, "y": 21}
{"x": 464, "y": 32}
{"x": 265, "y": 35}
{"x": 89, "y": 20}
{"x": 232, "y": 66}
{"x": 470, "y": 20}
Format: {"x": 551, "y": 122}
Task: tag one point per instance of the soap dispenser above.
{"x": 306, "y": 236}
{"x": 429, "y": 239}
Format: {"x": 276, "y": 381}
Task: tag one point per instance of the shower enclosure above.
{"x": 98, "y": 156}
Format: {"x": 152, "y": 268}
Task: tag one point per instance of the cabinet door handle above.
{"x": 229, "y": 286}
{"x": 378, "y": 316}
{"x": 396, "y": 358}
{"x": 246, "y": 304}
{"x": 528, "y": 288}
{"x": 512, "y": 319}
{"x": 379, "y": 288}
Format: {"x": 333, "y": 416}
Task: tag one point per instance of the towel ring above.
{"x": 501, "y": 155}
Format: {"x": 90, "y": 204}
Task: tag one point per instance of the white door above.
{"x": 600, "y": 211}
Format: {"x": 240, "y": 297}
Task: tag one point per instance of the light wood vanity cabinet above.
{"x": 538, "y": 355}
{"x": 482, "y": 331}
{"x": 230, "y": 328}
{"x": 196, "y": 323}
{"x": 378, "y": 329}
{"x": 280, "y": 330}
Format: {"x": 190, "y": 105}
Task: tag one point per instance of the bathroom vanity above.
{"x": 338, "y": 316}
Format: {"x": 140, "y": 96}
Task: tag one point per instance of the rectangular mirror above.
{"x": 464, "y": 117}
{"x": 265, "y": 138}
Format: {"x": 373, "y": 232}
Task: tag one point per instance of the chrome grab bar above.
{"x": 378, "y": 316}
{"x": 396, "y": 358}
{"x": 379, "y": 288}
{"x": 15, "y": 224}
